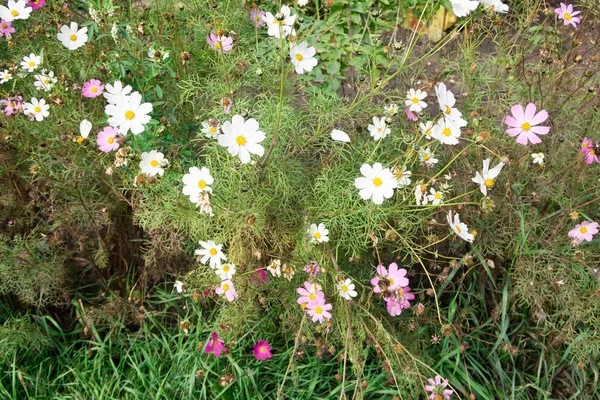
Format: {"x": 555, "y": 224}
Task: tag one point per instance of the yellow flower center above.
{"x": 80, "y": 140}
{"x": 567, "y": 16}
{"x": 318, "y": 310}
{"x": 391, "y": 281}
{"x": 526, "y": 126}
{"x": 438, "y": 397}
{"x": 226, "y": 268}
{"x": 218, "y": 45}
{"x": 317, "y": 235}
{"x": 299, "y": 57}
{"x": 240, "y": 140}
{"x": 426, "y": 157}
{"x": 262, "y": 349}
{"x": 438, "y": 196}
{"x": 415, "y": 100}
{"x": 428, "y": 133}
{"x": 446, "y": 132}
{"x": 201, "y": 184}
{"x": 154, "y": 163}
{"x": 474, "y": 232}
{"x": 37, "y": 109}
{"x": 213, "y": 252}
{"x": 311, "y": 296}
{"x": 377, "y": 182}
{"x": 31, "y": 64}
{"x": 448, "y": 110}
{"x": 46, "y": 81}
{"x": 73, "y": 38}
{"x": 457, "y": 228}
{"x": 392, "y": 111}
{"x": 592, "y": 152}
{"x": 584, "y": 145}
{"x": 303, "y": 305}
{"x": 130, "y": 115}
{"x": 344, "y": 288}
{"x": 225, "y": 287}
{"x": 583, "y": 229}
{"x": 110, "y": 140}
{"x": 94, "y": 89}
{"x": 489, "y": 182}
{"x": 212, "y": 129}
{"x": 14, "y": 13}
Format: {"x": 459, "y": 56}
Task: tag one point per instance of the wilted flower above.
{"x": 275, "y": 268}
{"x": 227, "y": 104}
{"x": 459, "y": 228}
{"x": 312, "y": 269}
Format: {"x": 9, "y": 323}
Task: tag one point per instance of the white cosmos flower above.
{"x": 378, "y": 130}
{"x": 303, "y": 57}
{"x": 494, "y": 5}
{"x": 346, "y": 289}
{"x": 427, "y": 157}
{"x": 446, "y": 102}
{"x": 129, "y": 114}
{"x": 225, "y": 271}
{"x": 280, "y": 24}
{"x": 459, "y": 228}
{"x": 85, "y": 127}
{"x": 302, "y": 3}
{"x": 152, "y": 163}
{"x": 210, "y": 131}
{"x": 414, "y": 100}
{"x": 404, "y": 178}
{"x": 45, "y": 80}
{"x": 197, "y": 182}
{"x": 377, "y": 183}
{"x": 446, "y": 132}
{"x": 538, "y": 158}
{"x": 391, "y": 110}
{"x": 435, "y": 197}
{"x": 38, "y": 109}
{"x": 71, "y": 37}
{"x": 242, "y": 138}
{"x": 5, "y": 76}
{"x": 211, "y": 253}
{"x": 487, "y": 176}
{"x": 340, "y": 136}
{"x": 116, "y": 92}
{"x": 318, "y": 233}
{"x": 15, "y": 10}
{"x": 426, "y": 129}
{"x": 462, "y": 8}
{"x": 275, "y": 268}
{"x": 31, "y": 62}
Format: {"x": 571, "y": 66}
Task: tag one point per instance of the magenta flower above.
{"x": 227, "y": 104}
{"x": 312, "y": 268}
{"x": 223, "y": 44}
{"x": 36, "y": 4}
{"x": 524, "y": 124}
{"x": 566, "y": 13}
{"x": 228, "y": 290}
{"x": 438, "y": 390}
{"x": 584, "y": 232}
{"x": 107, "y": 140}
{"x": 588, "y": 148}
{"x": 412, "y": 116}
{"x": 215, "y": 345}
{"x": 256, "y": 17}
{"x": 318, "y": 310}
{"x": 259, "y": 277}
{"x": 309, "y": 294}
{"x": 92, "y": 88}
{"x": 262, "y": 350}
{"x": 389, "y": 280}
{"x": 6, "y": 28}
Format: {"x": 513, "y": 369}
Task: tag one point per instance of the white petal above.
{"x": 340, "y": 136}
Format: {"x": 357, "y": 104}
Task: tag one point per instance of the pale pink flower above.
{"x": 309, "y": 293}
{"x": 584, "y": 232}
{"x": 228, "y": 290}
{"x": 589, "y": 149}
{"x": 12, "y": 105}
{"x": 223, "y": 44}
{"x": 227, "y": 104}
{"x": 318, "y": 310}
{"x": 566, "y": 13}
{"x": 437, "y": 387}
{"x": 412, "y": 116}
{"x": 394, "y": 278}
{"x": 256, "y": 16}
{"x": 524, "y": 123}
{"x": 92, "y": 88}
{"x": 107, "y": 140}
{"x": 6, "y": 28}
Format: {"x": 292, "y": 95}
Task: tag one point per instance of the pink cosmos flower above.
{"x": 566, "y": 13}
{"x": 36, "y": 4}
{"x": 215, "y": 345}
{"x": 6, "y": 28}
{"x": 227, "y": 104}
{"x": 524, "y": 124}
{"x": 309, "y": 294}
{"x": 93, "y": 88}
{"x": 223, "y": 44}
{"x": 318, "y": 310}
{"x": 584, "y": 232}
{"x": 12, "y": 105}
{"x": 588, "y": 148}
{"x": 312, "y": 268}
{"x": 259, "y": 277}
{"x": 412, "y": 116}
{"x": 228, "y": 290}
{"x": 395, "y": 278}
{"x": 262, "y": 350}
{"x": 256, "y": 16}
{"x": 107, "y": 140}
{"x": 437, "y": 387}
